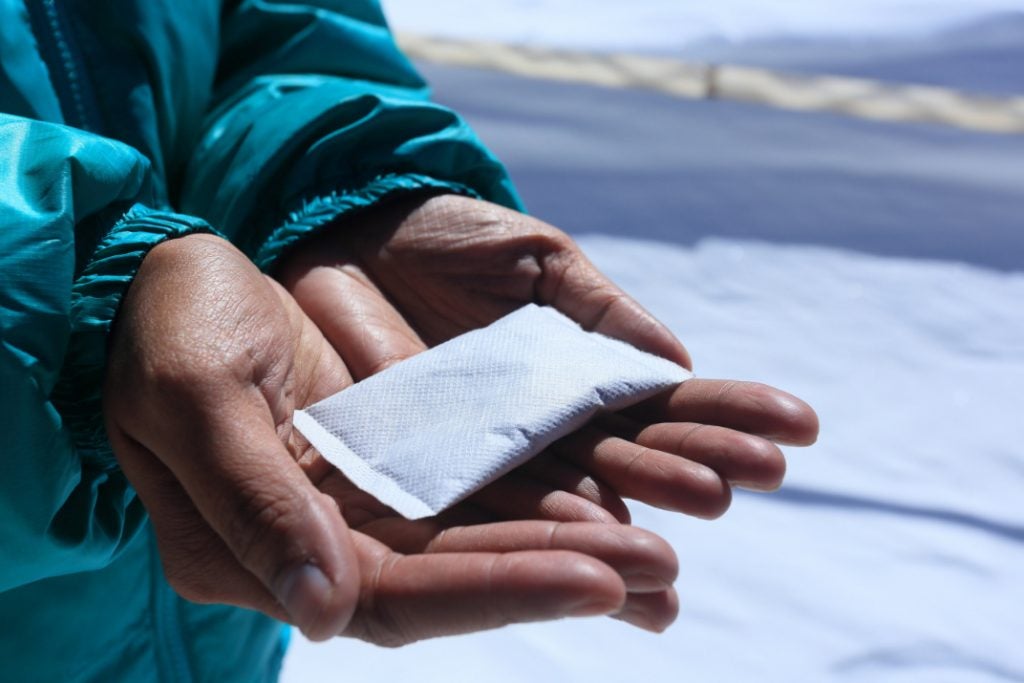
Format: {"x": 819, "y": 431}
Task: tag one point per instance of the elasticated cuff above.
{"x": 95, "y": 298}
{"x": 323, "y": 209}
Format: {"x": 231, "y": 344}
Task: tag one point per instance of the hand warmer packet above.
{"x": 430, "y": 430}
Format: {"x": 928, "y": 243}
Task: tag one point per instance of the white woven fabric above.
{"x": 431, "y": 430}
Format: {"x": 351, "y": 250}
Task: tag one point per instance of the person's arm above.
{"x": 74, "y": 228}
{"x": 80, "y": 256}
{"x": 319, "y": 119}
{"x": 317, "y": 114}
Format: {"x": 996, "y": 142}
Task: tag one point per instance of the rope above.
{"x": 858, "y": 97}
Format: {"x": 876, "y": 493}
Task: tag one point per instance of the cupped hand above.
{"x": 208, "y": 360}
{"x": 391, "y": 282}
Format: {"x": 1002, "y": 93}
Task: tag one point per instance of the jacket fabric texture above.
{"x": 122, "y": 124}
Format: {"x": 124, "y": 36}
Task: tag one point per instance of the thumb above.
{"x": 255, "y": 496}
{"x": 573, "y": 285}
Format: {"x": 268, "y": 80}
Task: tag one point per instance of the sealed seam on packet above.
{"x": 429, "y": 431}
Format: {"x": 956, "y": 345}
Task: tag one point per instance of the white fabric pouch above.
{"x": 429, "y": 431}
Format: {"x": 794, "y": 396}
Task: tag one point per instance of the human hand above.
{"x": 208, "y": 360}
{"x": 387, "y": 284}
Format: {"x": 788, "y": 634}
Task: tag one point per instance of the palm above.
{"x": 452, "y": 556}
{"x": 404, "y": 279}
{"x": 207, "y": 367}
{"x": 448, "y": 266}
{"x": 411, "y": 276}
{"x": 447, "y": 277}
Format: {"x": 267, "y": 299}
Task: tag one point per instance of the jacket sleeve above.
{"x": 73, "y": 232}
{"x": 316, "y": 114}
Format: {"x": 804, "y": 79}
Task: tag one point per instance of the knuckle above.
{"x": 725, "y": 392}
{"x": 688, "y": 436}
{"x": 176, "y": 378}
{"x": 760, "y": 394}
{"x": 170, "y": 378}
{"x": 554, "y": 239}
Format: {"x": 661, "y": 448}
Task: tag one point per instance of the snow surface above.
{"x": 673, "y": 24}
{"x": 876, "y": 270}
{"x": 895, "y": 551}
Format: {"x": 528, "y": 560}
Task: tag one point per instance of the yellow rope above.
{"x": 860, "y": 97}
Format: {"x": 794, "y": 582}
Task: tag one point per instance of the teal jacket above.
{"x": 124, "y": 123}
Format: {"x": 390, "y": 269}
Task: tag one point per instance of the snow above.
{"x": 895, "y": 550}
{"x": 876, "y": 270}
{"x": 672, "y": 24}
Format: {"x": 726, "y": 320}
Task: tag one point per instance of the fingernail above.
{"x": 304, "y": 592}
{"x": 593, "y": 607}
{"x": 644, "y": 582}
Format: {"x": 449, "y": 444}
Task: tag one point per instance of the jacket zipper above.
{"x": 58, "y": 52}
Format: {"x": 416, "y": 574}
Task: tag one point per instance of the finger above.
{"x": 413, "y": 597}
{"x": 517, "y": 496}
{"x": 196, "y": 561}
{"x": 571, "y": 479}
{"x": 644, "y": 561}
{"x": 650, "y": 611}
{"x": 319, "y": 369}
{"x": 742, "y": 459}
{"x": 253, "y": 494}
{"x": 744, "y": 406}
{"x": 413, "y": 536}
{"x": 317, "y": 372}
{"x": 356, "y": 318}
{"x": 572, "y": 284}
{"x": 648, "y": 475}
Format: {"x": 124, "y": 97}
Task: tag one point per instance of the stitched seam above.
{"x": 74, "y": 80}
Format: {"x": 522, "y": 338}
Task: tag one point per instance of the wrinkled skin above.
{"x": 209, "y": 358}
{"x": 390, "y": 284}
